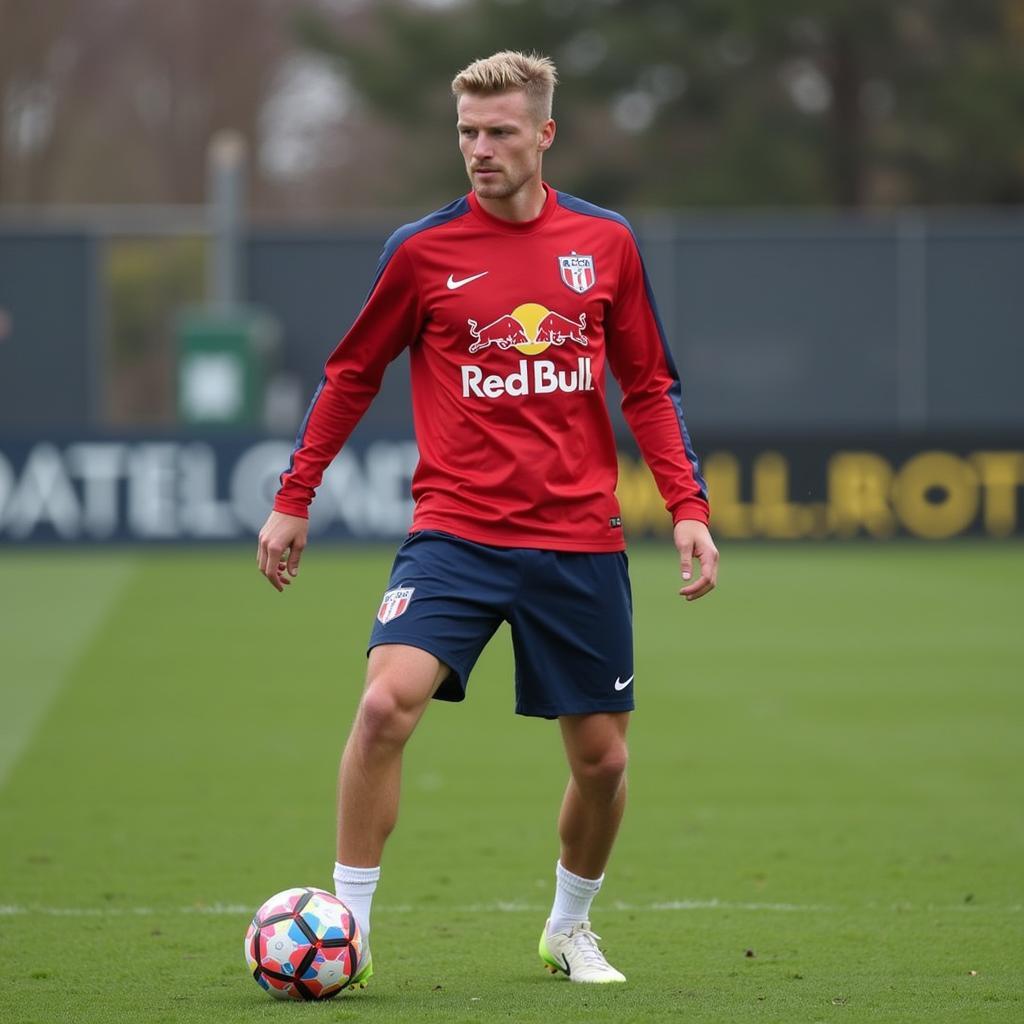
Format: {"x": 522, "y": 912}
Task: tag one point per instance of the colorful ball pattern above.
{"x": 303, "y": 943}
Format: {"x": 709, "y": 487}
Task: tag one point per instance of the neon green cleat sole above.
{"x": 362, "y": 978}
{"x": 550, "y": 963}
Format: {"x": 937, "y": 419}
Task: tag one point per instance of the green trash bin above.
{"x": 225, "y": 358}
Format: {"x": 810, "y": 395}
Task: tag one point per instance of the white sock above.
{"x": 355, "y": 888}
{"x": 573, "y": 896}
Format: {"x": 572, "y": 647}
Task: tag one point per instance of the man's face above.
{"x": 502, "y": 142}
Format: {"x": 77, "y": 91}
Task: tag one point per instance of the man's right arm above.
{"x": 281, "y": 534}
{"x": 389, "y": 320}
{"x": 387, "y": 323}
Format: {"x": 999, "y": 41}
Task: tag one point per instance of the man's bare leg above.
{"x": 595, "y": 798}
{"x": 400, "y": 681}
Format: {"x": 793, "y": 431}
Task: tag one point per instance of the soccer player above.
{"x": 511, "y": 300}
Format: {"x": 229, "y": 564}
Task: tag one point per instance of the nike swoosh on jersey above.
{"x": 622, "y": 686}
{"x": 453, "y": 284}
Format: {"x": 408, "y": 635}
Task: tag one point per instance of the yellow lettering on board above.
{"x": 730, "y": 516}
{"x": 859, "y": 484}
{"x": 775, "y": 515}
{"x": 1001, "y": 474}
{"x": 936, "y": 495}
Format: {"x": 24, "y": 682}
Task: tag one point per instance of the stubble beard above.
{"x": 504, "y": 188}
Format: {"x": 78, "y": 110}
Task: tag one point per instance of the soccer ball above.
{"x": 303, "y": 944}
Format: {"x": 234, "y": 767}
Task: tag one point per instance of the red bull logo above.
{"x": 530, "y": 328}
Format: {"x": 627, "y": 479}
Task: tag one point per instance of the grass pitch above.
{"x": 825, "y": 818}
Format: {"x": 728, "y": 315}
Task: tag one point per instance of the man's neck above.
{"x": 524, "y": 205}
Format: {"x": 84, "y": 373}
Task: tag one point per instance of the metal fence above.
{"x": 780, "y": 323}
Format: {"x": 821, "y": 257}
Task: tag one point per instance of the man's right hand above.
{"x": 281, "y": 533}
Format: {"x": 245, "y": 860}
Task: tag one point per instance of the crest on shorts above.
{"x": 577, "y": 272}
{"x": 394, "y": 604}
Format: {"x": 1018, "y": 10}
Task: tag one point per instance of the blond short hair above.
{"x": 508, "y": 71}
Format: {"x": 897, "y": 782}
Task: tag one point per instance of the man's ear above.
{"x": 547, "y": 134}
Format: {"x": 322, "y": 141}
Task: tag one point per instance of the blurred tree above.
{"x": 822, "y": 102}
{"x": 116, "y": 100}
{"x": 662, "y": 103}
{"x": 33, "y": 75}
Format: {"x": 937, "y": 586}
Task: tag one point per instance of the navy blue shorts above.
{"x": 571, "y": 615}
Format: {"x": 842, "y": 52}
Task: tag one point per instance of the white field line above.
{"x": 504, "y": 907}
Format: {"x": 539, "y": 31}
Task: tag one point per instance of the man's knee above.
{"x": 596, "y": 749}
{"x": 387, "y": 715}
{"x": 399, "y": 684}
{"x": 602, "y": 768}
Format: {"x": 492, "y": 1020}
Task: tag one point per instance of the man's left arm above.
{"x": 693, "y": 540}
{"x": 641, "y": 360}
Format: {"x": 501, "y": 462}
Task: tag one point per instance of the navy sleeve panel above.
{"x": 590, "y": 210}
{"x": 452, "y": 211}
{"x": 586, "y": 209}
{"x": 676, "y": 390}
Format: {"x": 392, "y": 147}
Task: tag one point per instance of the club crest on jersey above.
{"x": 577, "y": 272}
{"x": 394, "y": 604}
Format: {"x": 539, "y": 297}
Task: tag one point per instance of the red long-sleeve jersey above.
{"x": 510, "y": 326}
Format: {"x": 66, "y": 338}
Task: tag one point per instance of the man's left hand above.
{"x": 693, "y": 540}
